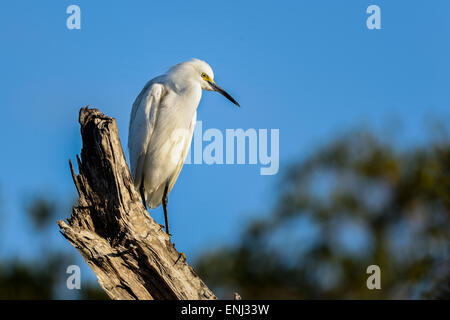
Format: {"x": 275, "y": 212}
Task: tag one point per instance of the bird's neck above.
{"x": 181, "y": 85}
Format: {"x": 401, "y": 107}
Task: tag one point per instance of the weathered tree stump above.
{"x": 129, "y": 252}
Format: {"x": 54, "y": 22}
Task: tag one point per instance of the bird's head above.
{"x": 201, "y": 72}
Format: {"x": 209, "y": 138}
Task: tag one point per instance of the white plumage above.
{"x": 162, "y": 122}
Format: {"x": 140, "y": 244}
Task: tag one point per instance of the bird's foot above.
{"x": 164, "y": 228}
{"x": 181, "y": 255}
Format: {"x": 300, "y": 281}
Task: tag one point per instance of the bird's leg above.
{"x": 142, "y": 192}
{"x": 164, "y": 203}
{"x": 166, "y": 220}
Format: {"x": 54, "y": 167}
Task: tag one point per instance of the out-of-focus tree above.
{"x": 43, "y": 277}
{"x": 355, "y": 202}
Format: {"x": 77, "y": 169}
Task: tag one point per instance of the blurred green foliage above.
{"x": 43, "y": 277}
{"x": 355, "y": 202}
{"x": 41, "y": 211}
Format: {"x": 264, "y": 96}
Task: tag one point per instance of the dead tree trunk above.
{"x": 129, "y": 252}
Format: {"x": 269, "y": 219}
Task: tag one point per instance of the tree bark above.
{"x": 129, "y": 252}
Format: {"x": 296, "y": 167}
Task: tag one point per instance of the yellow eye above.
{"x": 204, "y": 76}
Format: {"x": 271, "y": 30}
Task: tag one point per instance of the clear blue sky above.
{"x": 308, "y": 68}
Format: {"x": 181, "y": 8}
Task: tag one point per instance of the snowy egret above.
{"x": 162, "y": 122}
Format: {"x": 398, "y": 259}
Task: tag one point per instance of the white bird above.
{"x": 162, "y": 122}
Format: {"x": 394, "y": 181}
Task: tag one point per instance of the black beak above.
{"x": 222, "y": 92}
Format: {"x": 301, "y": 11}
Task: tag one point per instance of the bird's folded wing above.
{"x": 142, "y": 124}
{"x": 174, "y": 177}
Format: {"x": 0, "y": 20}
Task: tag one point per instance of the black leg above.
{"x": 142, "y": 192}
{"x": 164, "y": 203}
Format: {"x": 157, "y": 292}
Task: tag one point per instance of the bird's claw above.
{"x": 181, "y": 254}
{"x": 163, "y": 228}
